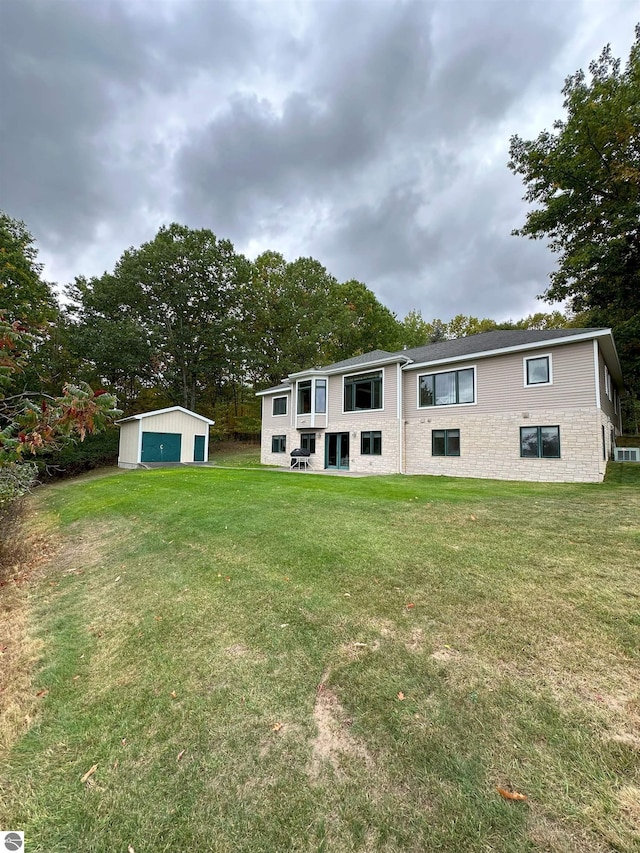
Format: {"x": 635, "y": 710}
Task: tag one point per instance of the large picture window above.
{"x": 537, "y": 371}
{"x": 371, "y": 443}
{"x": 279, "y": 405}
{"x": 278, "y": 443}
{"x": 363, "y": 392}
{"x": 540, "y": 442}
{"x": 447, "y": 389}
{"x": 445, "y": 442}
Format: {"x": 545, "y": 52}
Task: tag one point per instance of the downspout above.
{"x": 400, "y": 427}
{"x": 596, "y": 366}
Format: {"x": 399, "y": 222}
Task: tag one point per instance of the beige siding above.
{"x": 606, "y": 400}
{"x": 276, "y": 422}
{"x": 500, "y": 382}
{"x": 128, "y": 448}
{"x": 336, "y": 417}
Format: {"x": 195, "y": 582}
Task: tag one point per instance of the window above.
{"x": 445, "y": 442}
{"x": 607, "y": 382}
{"x": 371, "y": 443}
{"x": 363, "y": 392}
{"x": 304, "y": 397}
{"x": 308, "y": 441}
{"x": 278, "y": 443}
{"x": 537, "y": 371}
{"x": 321, "y": 396}
{"x": 540, "y": 442}
{"x": 447, "y": 389}
{"x": 279, "y": 405}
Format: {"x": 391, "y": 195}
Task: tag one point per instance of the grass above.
{"x": 234, "y": 454}
{"x": 265, "y": 661}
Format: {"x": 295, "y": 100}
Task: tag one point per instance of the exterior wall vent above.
{"x": 627, "y": 454}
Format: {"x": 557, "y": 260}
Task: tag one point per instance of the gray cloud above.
{"x": 373, "y": 136}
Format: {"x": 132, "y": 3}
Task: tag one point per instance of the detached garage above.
{"x": 164, "y": 436}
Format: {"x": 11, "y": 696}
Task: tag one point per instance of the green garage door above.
{"x": 161, "y": 446}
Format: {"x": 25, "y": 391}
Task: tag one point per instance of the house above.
{"x": 173, "y": 435}
{"x": 514, "y": 404}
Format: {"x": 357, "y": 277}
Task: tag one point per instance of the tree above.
{"x": 584, "y": 180}
{"x": 31, "y": 418}
{"x": 362, "y": 322}
{"x": 290, "y": 313}
{"x": 110, "y": 343}
{"x": 169, "y": 313}
{"x": 24, "y": 295}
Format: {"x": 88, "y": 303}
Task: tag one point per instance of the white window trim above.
{"x": 363, "y": 373}
{"x": 529, "y": 358}
{"x": 280, "y": 397}
{"x": 448, "y": 405}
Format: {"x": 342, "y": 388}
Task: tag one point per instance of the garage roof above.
{"x": 164, "y": 412}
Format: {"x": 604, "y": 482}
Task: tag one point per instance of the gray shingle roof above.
{"x": 365, "y": 358}
{"x": 488, "y": 341}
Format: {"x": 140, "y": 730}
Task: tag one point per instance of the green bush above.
{"x": 96, "y": 451}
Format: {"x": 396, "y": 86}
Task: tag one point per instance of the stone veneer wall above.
{"x": 490, "y": 446}
{"x": 387, "y": 463}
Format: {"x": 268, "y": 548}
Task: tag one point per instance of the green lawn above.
{"x": 263, "y": 661}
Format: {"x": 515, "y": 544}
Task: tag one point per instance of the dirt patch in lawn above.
{"x": 334, "y": 743}
{"x": 552, "y": 836}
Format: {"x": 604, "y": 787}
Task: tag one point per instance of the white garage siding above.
{"x": 175, "y": 420}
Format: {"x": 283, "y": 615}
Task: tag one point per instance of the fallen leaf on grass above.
{"x": 276, "y": 727}
{"x": 89, "y": 772}
{"x": 3, "y": 649}
{"x": 511, "y": 795}
{"x": 123, "y": 741}
{"x": 130, "y": 849}
{"x": 41, "y": 693}
{"x": 401, "y": 696}
{"x": 180, "y": 754}
{"x": 410, "y": 605}
{"x": 473, "y": 518}
{"x": 174, "y": 695}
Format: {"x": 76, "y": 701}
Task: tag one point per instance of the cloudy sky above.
{"x": 371, "y": 135}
